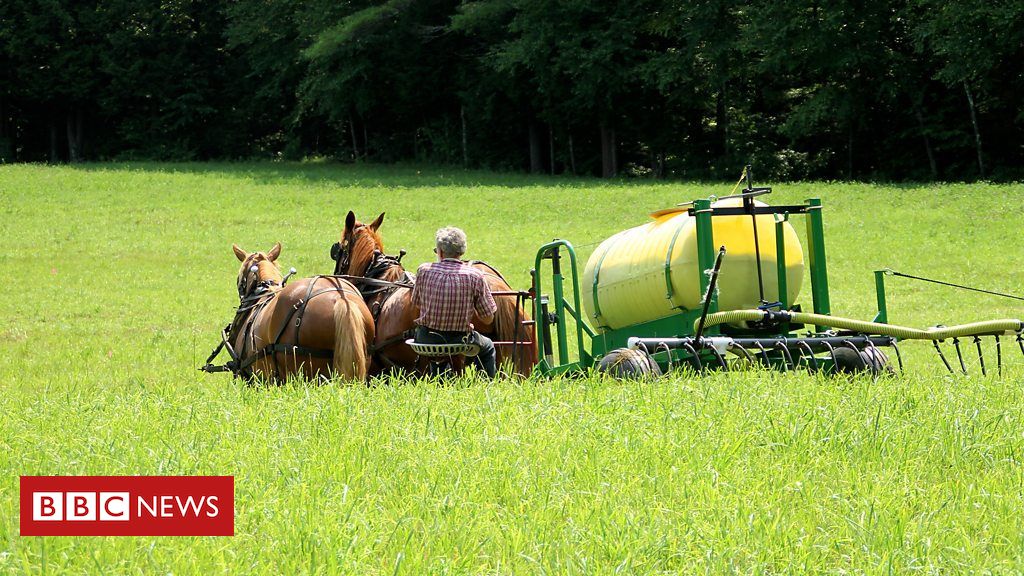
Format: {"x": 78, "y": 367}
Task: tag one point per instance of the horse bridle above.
{"x": 342, "y": 253}
{"x": 252, "y": 297}
{"x": 342, "y": 257}
{"x": 247, "y": 292}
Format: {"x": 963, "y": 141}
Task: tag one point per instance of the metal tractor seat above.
{"x": 437, "y": 354}
{"x": 443, "y": 350}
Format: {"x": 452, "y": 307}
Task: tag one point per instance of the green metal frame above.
{"x": 883, "y": 312}
{"x": 677, "y": 325}
{"x": 553, "y": 251}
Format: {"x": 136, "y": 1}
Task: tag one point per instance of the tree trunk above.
{"x": 657, "y": 160}
{"x": 572, "y": 155}
{"x": 536, "y": 157}
{"x": 927, "y": 143}
{"x": 551, "y": 149}
{"x": 6, "y": 145}
{"x": 465, "y": 146}
{"x": 54, "y": 156}
{"x": 849, "y": 153}
{"x": 609, "y": 164}
{"x": 366, "y": 141}
{"x": 74, "y": 132}
{"x": 355, "y": 143}
{"x": 977, "y": 132}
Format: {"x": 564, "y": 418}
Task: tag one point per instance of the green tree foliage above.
{"x": 905, "y": 89}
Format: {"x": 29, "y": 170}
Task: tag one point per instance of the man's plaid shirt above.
{"x": 448, "y": 292}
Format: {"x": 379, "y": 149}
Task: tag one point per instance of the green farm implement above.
{"x": 713, "y": 283}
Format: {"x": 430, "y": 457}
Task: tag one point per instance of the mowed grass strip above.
{"x": 122, "y": 275}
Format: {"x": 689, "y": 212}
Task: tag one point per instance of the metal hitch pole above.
{"x": 712, "y": 284}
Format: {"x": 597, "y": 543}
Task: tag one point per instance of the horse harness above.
{"x": 376, "y": 290}
{"x": 249, "y": 309}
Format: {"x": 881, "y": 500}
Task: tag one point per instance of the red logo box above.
{"x": 127, "y": 506}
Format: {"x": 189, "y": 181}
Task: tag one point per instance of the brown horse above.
{"x": 316, "y": 326}
{"x": 388, "y": 291}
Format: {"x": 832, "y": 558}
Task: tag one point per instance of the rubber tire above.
{"x": 627, "y": 363}
{"x": 850, "y": 362}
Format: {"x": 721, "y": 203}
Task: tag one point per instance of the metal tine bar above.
{"x": 767, "y": 362}
{"x": 959, "y": 355}
{"x": 718, "y": 356}
{"x": 943, "y": 356}
{"x": 981, "y": 355}
{"x": 786, "y": 355}
{"x": 874, "y": 359}
{"x": 999, "y": 356}
{"x": 810, "y": 354}
{"x": 797, "y": 359}
{"x": 647, "y": 356}
{"x": 643, "y": 347}
{"x": 832, "y": 353}
{"x": 851, "y": 346}
{"x": 899, "y": 357}
{"x": 746, "y": 354}
{"x": 1020, "y": 342}
{"x": 696, "y": 357}
{"x": 668, "y": 353}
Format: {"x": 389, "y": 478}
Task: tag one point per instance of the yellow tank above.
{"x": 629, "y": 268}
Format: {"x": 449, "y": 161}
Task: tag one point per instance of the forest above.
{"x": 801, "y": 89}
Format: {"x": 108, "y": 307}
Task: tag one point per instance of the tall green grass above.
{"x": 120, "y": 276}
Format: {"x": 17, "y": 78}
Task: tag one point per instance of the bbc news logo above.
{"x": 127, "y": 506}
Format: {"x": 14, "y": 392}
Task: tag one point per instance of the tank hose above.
{"x": 988, "y": 327}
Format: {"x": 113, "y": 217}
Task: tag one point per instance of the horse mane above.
{"x": 265, "y": 268}
{"x": 362, "y": 251}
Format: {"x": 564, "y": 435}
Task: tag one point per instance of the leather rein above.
{"x": 252, "y": 303}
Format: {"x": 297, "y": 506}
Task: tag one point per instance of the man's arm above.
{"x": 484, "y": 302}
{"x": 417, "y": 294}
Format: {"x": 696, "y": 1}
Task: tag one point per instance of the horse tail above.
{"x": 350, "y": 343}
{"x": 509, "y": 328}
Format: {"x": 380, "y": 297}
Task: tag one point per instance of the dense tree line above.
{"x": 921, "y": 89}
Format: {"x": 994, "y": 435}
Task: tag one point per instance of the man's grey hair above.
{"x": 451, "y": 241}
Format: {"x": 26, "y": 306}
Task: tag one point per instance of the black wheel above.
{"x": 627, "y": 363}
{"x": 849, "y": 361}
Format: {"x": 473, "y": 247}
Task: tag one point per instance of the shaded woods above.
{"x": 895, "y": 89}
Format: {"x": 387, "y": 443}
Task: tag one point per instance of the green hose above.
{"x": 989, "y": 327}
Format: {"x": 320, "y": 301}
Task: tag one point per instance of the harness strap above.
{"x": 393, "y": 340}
{"x": 245, "y": 316}
{"x": 489, "y": 267}
{"x": 248, "y": 310}
{"x": 274, "y": 349}
{"x": 298, "y": 310}
{"x": 363, "y": 281}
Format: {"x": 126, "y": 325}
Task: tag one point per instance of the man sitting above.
{"x": 447, "y": 293}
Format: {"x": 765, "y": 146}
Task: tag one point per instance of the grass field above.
{"x": 120, "y": 277}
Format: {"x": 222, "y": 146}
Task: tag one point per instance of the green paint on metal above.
{"x": 780, "y": 258}
{"x": 575, "y": 314}
{"x": 557, "y": 287}
{"x": 677, "y": 325}
{"x": 816, "y": 258}
{"x": 706, "y": 252}
{"x": 562, "y": 309}
{"x": 883, "y": 314}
